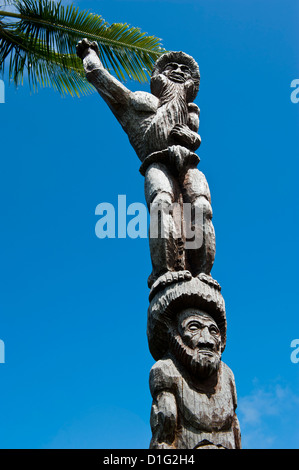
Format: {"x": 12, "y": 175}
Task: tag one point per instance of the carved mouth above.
{"x": 206, "y": 351}
{"x": 176, "y": 77}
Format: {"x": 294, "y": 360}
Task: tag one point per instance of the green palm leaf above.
{"x": 44, "y": 68}
{"x": 40, "y": 40}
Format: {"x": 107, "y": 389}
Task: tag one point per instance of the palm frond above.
{"x": 45, "y": 33}
{"x": 45, "y": 68}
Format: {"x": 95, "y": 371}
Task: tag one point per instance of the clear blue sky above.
{"x": 74, "y": 307}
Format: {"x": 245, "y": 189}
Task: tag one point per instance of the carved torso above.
{"x": 200, "y": 415}
{"x": 148, "y": 124}
{"x": 146, "y": 119}
{"x": 137, "y": 120}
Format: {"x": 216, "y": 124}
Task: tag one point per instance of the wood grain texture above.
{"x": 193, "y": 391}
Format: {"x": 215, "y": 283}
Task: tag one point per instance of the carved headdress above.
{"x": 167, "y": 304}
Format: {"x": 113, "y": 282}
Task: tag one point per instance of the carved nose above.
{"x": 205, "y": 339}
{"x": 179, "y": 70}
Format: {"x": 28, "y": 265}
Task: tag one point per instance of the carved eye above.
{"x": 170, "y": 67}
{"x": 185, "y": 69}
{"x": 193, "y": 326}
{"x": 213, "y": 330}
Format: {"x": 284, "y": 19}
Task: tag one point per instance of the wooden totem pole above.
{"x": 193, "y": 391}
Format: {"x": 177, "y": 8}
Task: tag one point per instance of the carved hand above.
{"x": 184, "y": 136}
{"x": 89, "y": 53}
{"x": 85, "y": 47}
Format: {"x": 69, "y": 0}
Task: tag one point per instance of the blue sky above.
{"x": 73, "y": 307}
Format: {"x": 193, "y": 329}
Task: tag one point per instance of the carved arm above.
{"x": 114, "y": 93}
{"x": 183, "y": 135}
{"x": 163, "y": 421}
{"x": 237, "y": 432}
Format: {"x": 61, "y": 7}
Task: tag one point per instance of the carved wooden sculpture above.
{"x": 194, "y": 397}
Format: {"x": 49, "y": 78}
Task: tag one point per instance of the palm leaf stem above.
{"x": 77, "y": 32}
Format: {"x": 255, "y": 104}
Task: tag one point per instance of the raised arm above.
{"x": 115, "y": 94}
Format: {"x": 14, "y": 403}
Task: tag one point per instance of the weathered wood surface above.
{"x": 162, "y": 128}
{"x": 194, "y": 393}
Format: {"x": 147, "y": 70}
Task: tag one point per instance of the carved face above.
{"x": 178, "y": 73}
{"x": 197, "y": 343}
{"x": 199, "y": 331}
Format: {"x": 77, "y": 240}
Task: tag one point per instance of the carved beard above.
{"x": 198, "y": 364}
{"x": 173, "y": 96}
{"x": 173, "y": 105}
{"x": 172, "y": 110}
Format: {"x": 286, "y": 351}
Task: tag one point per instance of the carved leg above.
{"x": 162, "y": 196}
{"x": 196, "y": 191}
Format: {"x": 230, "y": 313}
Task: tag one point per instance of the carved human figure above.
{"x": 162, "y": 128}
{"x": 194, "y": 395}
